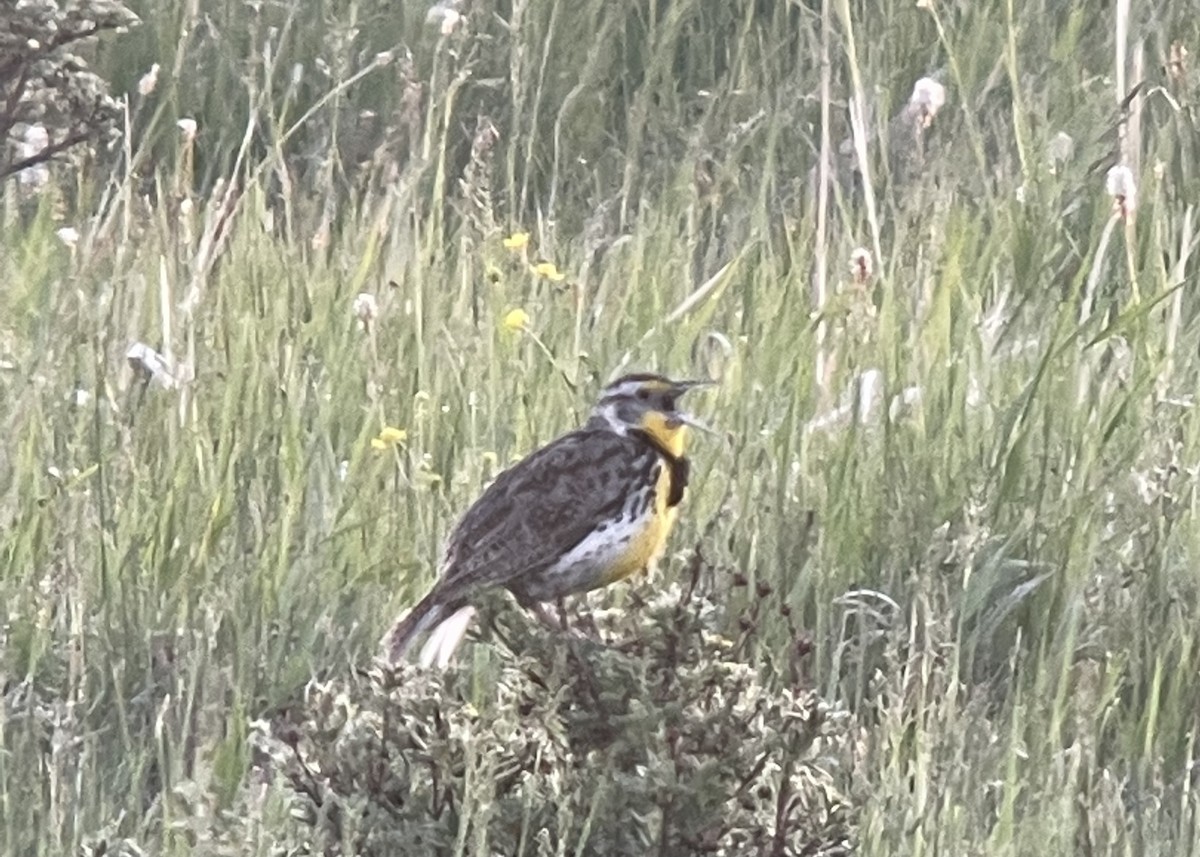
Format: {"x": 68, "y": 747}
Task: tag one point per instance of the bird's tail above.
{"x": 448, "y": 623}
{"x": 445, "y": 638}
{"x": 420, "y": 618}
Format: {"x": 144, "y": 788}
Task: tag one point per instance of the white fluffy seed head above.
{"x": 1122, "y": 187}
{"x": 929, "y": 96}
{"x": 861, "y": 264}
{"x": 149, "y": 81}
{"x": 366, "y": 309}
{"x": 1060, "y": 150}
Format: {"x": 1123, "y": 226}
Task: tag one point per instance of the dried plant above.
{"x": 50, "y": 101}
{"x": 476, "y": 182}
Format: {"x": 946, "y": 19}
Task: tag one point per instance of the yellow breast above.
{"x": 645, "y": 548}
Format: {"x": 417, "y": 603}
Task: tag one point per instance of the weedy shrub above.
{"x": 662, "y": 740}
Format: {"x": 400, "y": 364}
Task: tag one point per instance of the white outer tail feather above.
{"x": 444, "y": 639}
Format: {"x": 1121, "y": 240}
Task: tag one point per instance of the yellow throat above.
{"x": 669, "y": 434}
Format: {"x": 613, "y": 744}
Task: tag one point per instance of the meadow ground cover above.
{"x": 935, "y": 589}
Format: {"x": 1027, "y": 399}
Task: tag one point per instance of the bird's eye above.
{"x": 643, "y": 394}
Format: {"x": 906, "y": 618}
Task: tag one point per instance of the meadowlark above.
{"x": 588, "y": 509}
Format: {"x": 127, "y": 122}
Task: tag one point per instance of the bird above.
{"x": 590, "y": 508}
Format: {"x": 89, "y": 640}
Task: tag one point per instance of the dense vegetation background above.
{"x": 936, "y": 588}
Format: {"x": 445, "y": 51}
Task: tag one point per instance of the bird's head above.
{"x": 649, "y": 403}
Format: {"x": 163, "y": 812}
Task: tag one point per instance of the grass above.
{"x": 998, "y": 579}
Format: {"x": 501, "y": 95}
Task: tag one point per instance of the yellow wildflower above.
{"x": 389, "y": 436}
{"x": 517, "y": 241}
{"x": 549, "y": 271}
{"x": 515, "y": 319}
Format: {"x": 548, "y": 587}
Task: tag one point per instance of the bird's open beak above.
{"x": 685, "y": 418}
{"x": 689, "y": 420}
{"x": 683, "y": 386}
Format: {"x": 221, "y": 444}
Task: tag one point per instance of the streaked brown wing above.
{"x": 543, "y": 506}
